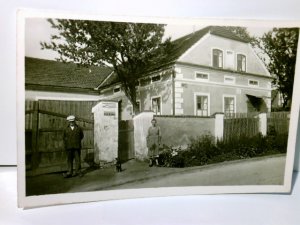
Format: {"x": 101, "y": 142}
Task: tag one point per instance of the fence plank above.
{"x": 49, "y": 120}
{"x": 34, "y": 135}
{"x": 240, "y": 126}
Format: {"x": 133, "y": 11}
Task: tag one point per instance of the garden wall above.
{"x": 178, "y": 130}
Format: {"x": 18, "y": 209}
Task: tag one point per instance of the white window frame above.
{"x": 212, "y": 57}
{"x": 246, "y": 64}
{"x": 229, "y": 82}
{"x": 195, "y": 102}
{"x": 253, "y": 85}
{"x": 157, "y": 96}
{"x": 229, "y": 96}
{"x": 201, "y": 79}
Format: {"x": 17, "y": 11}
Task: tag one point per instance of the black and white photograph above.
{"x": 112, "y": 106}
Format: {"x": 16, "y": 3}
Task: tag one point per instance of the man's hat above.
{"x": 71, "y": 118}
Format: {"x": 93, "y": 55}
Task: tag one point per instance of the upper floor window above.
{"x": 155, "y": 78}
{"x": 201, "y": 76}
{"x": 253, "y": 83}
{"x": 229, "y": 80}
{"x": 217, "y": 58}
{"x": 241, "y": 63}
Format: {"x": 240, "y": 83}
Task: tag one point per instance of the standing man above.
{"x": 72, "y": 139}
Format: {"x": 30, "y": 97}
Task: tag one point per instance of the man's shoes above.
{"x": 67, "y": 175}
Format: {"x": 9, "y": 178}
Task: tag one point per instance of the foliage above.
{"x": 204, "y": 150}
{"x": 280, "y": 48}
{"x": 241, "y": 32}
{"x": 127, "y": 47}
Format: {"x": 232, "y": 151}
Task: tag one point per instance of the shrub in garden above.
{"x": 205, "y": 150}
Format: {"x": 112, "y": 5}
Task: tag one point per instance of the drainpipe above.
{"x": 173, "y": 89}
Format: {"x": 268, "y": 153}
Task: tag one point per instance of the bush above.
{"x": 205, "y": 150}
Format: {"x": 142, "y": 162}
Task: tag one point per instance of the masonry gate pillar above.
{"x": 106, "y": 127}
{"x": 219, "y": 126}
{"x": 262, "y": 124}
{"x": 142, "y": 122}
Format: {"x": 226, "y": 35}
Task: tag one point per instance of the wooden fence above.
{"x": 243, "y": 124}
{"x": 45, "y": 121}
{"x": 240, "y": 127}
{"x": 279, "y": 121}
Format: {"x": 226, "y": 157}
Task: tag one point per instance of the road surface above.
{"x": 259, "y": 171}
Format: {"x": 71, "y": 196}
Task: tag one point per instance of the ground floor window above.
{"x": 156, "y": 105}
{"x": 202, "y": 105}
{"x": 229, "y": 105}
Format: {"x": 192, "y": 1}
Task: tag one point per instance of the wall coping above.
{"x": 183, "y": 116}
{"x": 141, "y": 113}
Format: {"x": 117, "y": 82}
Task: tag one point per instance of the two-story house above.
{"x": 211, "y": 70}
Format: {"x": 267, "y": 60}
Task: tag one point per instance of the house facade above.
{"x": 211, "y": 71}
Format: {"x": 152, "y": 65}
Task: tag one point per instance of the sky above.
{"x": 39, "y": 30}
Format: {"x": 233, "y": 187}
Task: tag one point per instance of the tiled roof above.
{"x": 57, "y": 74}
{"x": 181, "y": 45}
{"x": 53, "y": 73}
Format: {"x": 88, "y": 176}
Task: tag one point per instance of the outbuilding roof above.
{"x": 49, "y": 73}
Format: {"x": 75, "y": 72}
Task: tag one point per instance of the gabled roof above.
{"x": 41, "y": 72}
{"x": 181, "y": 45}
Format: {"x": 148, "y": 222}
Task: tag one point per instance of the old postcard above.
{"x": 113, "y": 108}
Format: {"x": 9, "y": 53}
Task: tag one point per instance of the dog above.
{"x": 118, "y": 165}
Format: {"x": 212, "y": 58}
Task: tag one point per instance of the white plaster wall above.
{"x": 106, "y": 131}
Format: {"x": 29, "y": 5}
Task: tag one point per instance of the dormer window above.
{"x": 155, "y": 78}
{"x": 217, "y": 58}
{"x": 241, "y": 63}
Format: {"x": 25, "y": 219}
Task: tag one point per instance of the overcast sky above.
{"x": 39, "y": 30}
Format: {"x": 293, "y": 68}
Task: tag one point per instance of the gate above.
{"x": 126, "y": 140}
{"x": 45, "y": 121}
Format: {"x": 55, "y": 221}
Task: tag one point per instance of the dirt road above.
{"x": 268, "y": 171}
